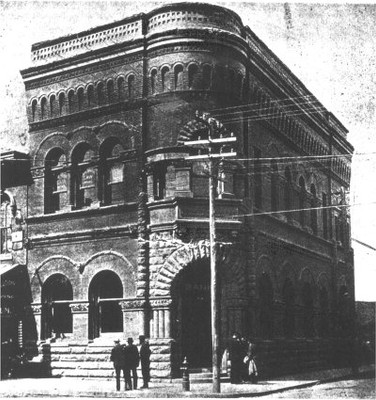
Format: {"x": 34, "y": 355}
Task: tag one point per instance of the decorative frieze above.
{"x": 162, "y": 302}
{"x": 132, "y": 304}
{"x": 79, "y": 308}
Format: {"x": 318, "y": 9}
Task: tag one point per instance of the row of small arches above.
{"x": 123, "y": 88}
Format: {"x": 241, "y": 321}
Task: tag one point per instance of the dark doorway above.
{"x": 191, "y": 296}
{"x": 57, "y": 293}
{"x": 105, "y": 313}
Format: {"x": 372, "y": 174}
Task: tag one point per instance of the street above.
{"x": 360, "y": 388}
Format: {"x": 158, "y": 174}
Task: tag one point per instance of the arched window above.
{"x": 120, "y": 87}
{"x": 80, "y": 99}
{"x": 324, "y": 313}
{"x": 55, "y": 181}
{"x": 274, "y": 186}
{"x": 57, "y": 294}
{"x": 288, "y": 294}
{"x": 110, "y": 91}
{"x": 265, "y": 306}
{"x": 287, "y": 192}
{"x": 308, "y": 325}
{"x": 131, "y": 86}
{"x": 165, "y": 73}
{"x": 52, "y": 106}
{"x": 34, "y": 110}
{"x": 313, "y": 210}
{"x": 84, "y": 177}
{"x": 302, "y": 197}
{"x": 90, "y": 96}
{"x": 61, "y": 103}
{"x": 43, "y": 105}
{"x": 153, "y": 81}
{"x": 178, "y": 77}
{"x": 6, "y": 215}
{"x": 71, "y": 101}
{"x": 112, "y": 173}
{"x": 159, "y": 180}
{"x": 100, "y": 93}
{"x": 207, "y": 72}
{"x": 105, "y": 313}
{"x": 193, "y": 76}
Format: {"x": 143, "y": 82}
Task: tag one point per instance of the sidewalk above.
{"x": 73, "y": 387}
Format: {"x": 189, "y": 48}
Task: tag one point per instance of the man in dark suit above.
{"x": 117, "y": 357}
{"x": 145, "y": 360}
{"x": 132, "y": 359}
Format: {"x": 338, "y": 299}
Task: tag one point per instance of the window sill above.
{"x": 6, "y": 256}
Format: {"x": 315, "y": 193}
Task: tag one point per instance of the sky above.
{"x": 330, "y": 47}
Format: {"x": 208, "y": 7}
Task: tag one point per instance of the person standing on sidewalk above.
{"x": 132, "y": 358}
{"x": 252, "y": 366}
{"x": 117, "y": 357}
{"x": 236, "y": 358}
{"x": 145, "y": 360}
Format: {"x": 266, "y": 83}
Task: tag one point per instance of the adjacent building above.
{"x": 117, "y": 217}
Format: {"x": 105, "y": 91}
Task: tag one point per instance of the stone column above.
{"x": 161, "y": 318}
{"x": 134, "y": 311}
{"x": 37, "y": 312}
{"x": 80, "y": 314}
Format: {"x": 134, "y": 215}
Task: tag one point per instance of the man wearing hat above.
{"x": 117, "y": 357}
{"x": 132, "y": 359}
{"x": 145, "y": 360}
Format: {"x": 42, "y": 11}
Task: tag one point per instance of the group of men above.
{"x": 127, "y": 358}
{"x": 242, "y": 354}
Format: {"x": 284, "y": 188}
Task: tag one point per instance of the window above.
{"x": 6, "y": 224}
{"x": 159, "y": 181}
{"x": 90, "y": 96}
{"x": 112, "y": 173}
{"x": 84, "y": 177}
{"x": 34, "y": 110}
{"x": 178, "y": 77}
{"x": 52, "y": 106}
{"x": 192, "y": 76}
{"x": 274, "y": 186}
{"x": 165, "y": 79}
{"x": 302, "y": 197}
{"x": 55, "y": 180}
{"x": 61, "y": 103}
{"x": 131, "y": 86}
{"x": 258, "y": 177}
{"x": 43, "y": 105}
{"x": 153, "y": 81}
{"x": 313, "y": 210}
{"x": 289, "y": 314}
{"x": 110, "y": 91}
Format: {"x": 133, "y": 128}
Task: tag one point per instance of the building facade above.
{"x": 118, "y": 217}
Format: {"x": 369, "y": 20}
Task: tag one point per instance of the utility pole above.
{"x": 213, "y": 144}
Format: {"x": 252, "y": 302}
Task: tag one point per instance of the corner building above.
{"x": 118, "y": 217}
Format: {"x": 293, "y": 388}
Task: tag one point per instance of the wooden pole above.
{"x": 213, "y": 275}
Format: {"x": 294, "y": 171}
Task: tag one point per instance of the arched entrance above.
{"x": 57, "y": 293}
{"x": 191, "y": 314}
{"x": 105, "y": 314}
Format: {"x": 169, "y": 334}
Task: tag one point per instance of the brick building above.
{"x": 118, "y": 218}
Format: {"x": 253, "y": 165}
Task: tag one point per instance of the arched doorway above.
{"x": 105, "y": 313}
{"x": 191, "y": 314}
{"x": 57, "y": 293}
